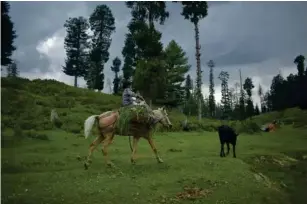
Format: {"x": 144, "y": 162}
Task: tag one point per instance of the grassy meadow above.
{"x": 269, "y": 168}
{"x": 40, "y": 162}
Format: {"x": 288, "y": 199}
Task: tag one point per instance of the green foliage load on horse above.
{"x": 129, "y": 115}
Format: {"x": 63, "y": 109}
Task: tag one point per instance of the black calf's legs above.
{"x": 222, "y": 153}
{"x": 234, "y": 151}
{"x": 228, "y": 148}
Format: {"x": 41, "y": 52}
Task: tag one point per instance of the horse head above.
{"x": 162, "y": 115}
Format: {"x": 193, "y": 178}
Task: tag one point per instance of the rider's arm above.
{"x": 131, "y": 93}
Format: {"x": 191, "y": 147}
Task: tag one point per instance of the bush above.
{"x": 18, "y": 131}
{"x": 74, "y": 128}
{"x": 248, "y": 126}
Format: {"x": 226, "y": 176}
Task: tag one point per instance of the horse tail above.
{"x": 130, "y": 143}
{"x": 88, "y": 125}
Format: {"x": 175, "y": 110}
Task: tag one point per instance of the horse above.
{"x": 107, "y": 130}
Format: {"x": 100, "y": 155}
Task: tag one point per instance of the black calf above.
{"x": 227, "y": 135}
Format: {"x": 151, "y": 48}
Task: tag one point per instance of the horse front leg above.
{"x": 154, "y": 149}
{"x": 134, "y": 148}
{"x": 92, "y": 147}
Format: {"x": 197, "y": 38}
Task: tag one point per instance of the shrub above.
{"x": 248, "y": 126}
{"x": 74, "y": 128}
{"x": 18, "y": 133}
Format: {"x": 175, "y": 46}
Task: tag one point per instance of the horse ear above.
{"x": 163, "y": 107}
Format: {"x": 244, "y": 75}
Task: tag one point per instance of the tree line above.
{"x": 159, "y": 73}
{"x": 156, "y": 72}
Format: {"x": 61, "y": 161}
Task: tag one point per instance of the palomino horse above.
{"x": 107, "y": 129}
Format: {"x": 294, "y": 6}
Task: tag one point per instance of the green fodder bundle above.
{"x": 128, "y": 115}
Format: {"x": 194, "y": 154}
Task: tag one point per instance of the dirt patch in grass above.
{"x": 193, "y": 193}
{"x": 175, "y": 150}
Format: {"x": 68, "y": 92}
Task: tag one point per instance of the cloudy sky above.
{"x": 260, "y": 38}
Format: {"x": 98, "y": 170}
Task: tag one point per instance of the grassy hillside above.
{"x": 26, "y": 106}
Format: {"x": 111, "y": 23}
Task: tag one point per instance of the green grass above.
{"x": 47, "y": 171}
{"x": 39, "y": 161}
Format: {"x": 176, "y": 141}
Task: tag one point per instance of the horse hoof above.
{"x": 133, "y": 161}
{"x": 160, "y": 161}
{"x": 110, "y": 164}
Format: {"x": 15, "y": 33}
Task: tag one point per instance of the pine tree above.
{"x": 299, "y": 61}
{"x": 150, "y": 11}
{"x": 8, "y": 34}
{"x": 150, "y": 72}
{"x": 242, "y": 100}
{"x": 211, "y": 90}
{"x": 260, "y": 94}
{"x": 301, "y": 81}
{"x": 102, "y": 24}
{"x": 194, "y": 11}
{"x": 277, "y": 95}
{"x": 141, "y": 12}
{"x": 12, "y": 69}
{"x": 176, "y": 66}
{"x": 225, "y": 101}
{"x": 188, "y": 87}
{"x": 248, "y": 87}
{"x": 129, "y": 53}
{"x": 116, "y": 68}
{"x": 76, "y": 44}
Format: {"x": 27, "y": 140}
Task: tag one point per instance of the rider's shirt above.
{"x": 127, "y": 97}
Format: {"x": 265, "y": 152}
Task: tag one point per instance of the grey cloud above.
{"x": 261, "y": 36}
{"x": 35, "y": 21}
{"x": 261, "y": 31}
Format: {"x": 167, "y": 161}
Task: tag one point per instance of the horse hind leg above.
{"x": 92, "y": 147}
{"x": 105, "y": 143}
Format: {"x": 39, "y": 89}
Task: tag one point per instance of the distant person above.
{"x": 270, "y": 127}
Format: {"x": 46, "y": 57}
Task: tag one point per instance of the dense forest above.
{"x": 159, "y": 72}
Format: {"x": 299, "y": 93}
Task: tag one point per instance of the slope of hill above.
{"x": 26, "y": 105}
